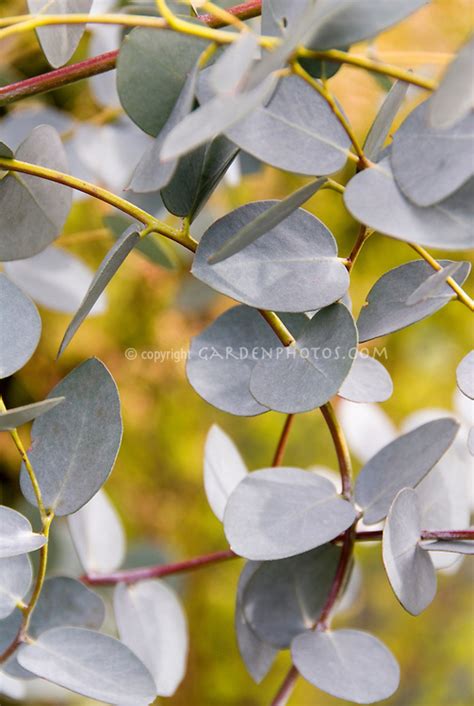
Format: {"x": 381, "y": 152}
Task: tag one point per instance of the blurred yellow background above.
{"x": 157, "y": 482}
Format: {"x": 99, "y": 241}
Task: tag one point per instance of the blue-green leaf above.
{"x": 75, "y": 445}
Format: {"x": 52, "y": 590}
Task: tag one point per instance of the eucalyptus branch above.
{"x": 153, "y": 224}
{"x": 101, "y": 63}
{"x": 27, "y": 610}
{"x": 147, "y": 572}
{"x": 46, "y": 520}
{"x": 345, "y": 470}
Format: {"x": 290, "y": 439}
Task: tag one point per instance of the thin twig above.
{"x": 150, "y": 572}
{"x": 283, "y": 440}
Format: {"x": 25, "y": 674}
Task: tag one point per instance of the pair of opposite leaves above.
{"x": 67, "y": 649}
{"x": 258, "y": 508}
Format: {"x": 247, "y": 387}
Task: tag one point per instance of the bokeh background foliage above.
{"x": 157, "y": 481}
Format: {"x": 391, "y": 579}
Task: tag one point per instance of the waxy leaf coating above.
{"x": 293, "y": 267}
{"x": 374, "y": 198}
{"x": 349, "y": 664}
{"x": 152, "y": 69}
{"x": 55, "y": 279}
{"x": 63, "y": 602}
{"x": 151, "y": 174}
{"x": 344, "y": 22}
{"x": 308, "y": 373}
{"x": 98, "y": 535}
{"x": 257, "y": 655}
{"x": 368, "y": 381}
{"x": 455, "y": 95}
{"x": 271, "y": 217}
{"x": 214, "y": 117}
{"x": 107, "y": 268}
{"x": 197, "y": 175}
{"x": 223, "y": 469}
{"x": 387, "y": 308}
{"x": 465, "y": 375}
{"x": 430, "y": 164}
{"x": 66, "y": 602}
{"x": 222, "y": 357}
{"x": 296, "y": 131}
{"x": 22, "y": 415}
{"x": 276, "y": 513}
{"x": 59, "y": 42}
{"x": 89, "y": 663}
{"x": 380, "y": 128}
{"x": 15, "y": 580}
{"x": 401, "y": 464}
{"x": 75, "y": 445}
{"x": 20, "y": 328}
{"x": 434, "y": 285}
{"x": 282, "y": 598}
{"x": 410, "y": 570}
{"x": 33, "y": 209}
{"x": 16, "y": 534}
{"x": 151, "y": 622}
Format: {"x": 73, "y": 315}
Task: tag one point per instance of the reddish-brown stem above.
{"x": 101, "y": 63}
{"x": 133, "y": 575}
{"x": 339, "y": 578}
{"x": 282, "y": 442}
{"x": 153, "y": 572}
{"x": 286, "y": 689}
{"x": 58, "y": 78}
{"x": 362, "y": 236}
{"x": 448, "y": 534}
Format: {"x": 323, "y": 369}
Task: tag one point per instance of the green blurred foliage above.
{"x": 157, "y": 482}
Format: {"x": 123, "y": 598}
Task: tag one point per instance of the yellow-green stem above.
{"x": 378, "y": 67}
{"x": 29, "y": 468}
{"x": 462, "y": 295}
{"x": 278, "y": 327}
{"x": 22, "y": 23}
{"x": 98, "y": 192}
{"x": 329, "y": 98}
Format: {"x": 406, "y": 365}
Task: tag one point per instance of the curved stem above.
{"x": 283, "y": 441}
{"x": 99, "y": 193}
{"x": 28, "y": 609}
{"x": 339, "y": 579}
{"x": 362, "y": 62}
{"x": 461, "y": 294}
{"x": 341, "y": 448}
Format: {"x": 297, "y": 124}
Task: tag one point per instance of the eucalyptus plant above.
{"x": 204, "y": 88}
